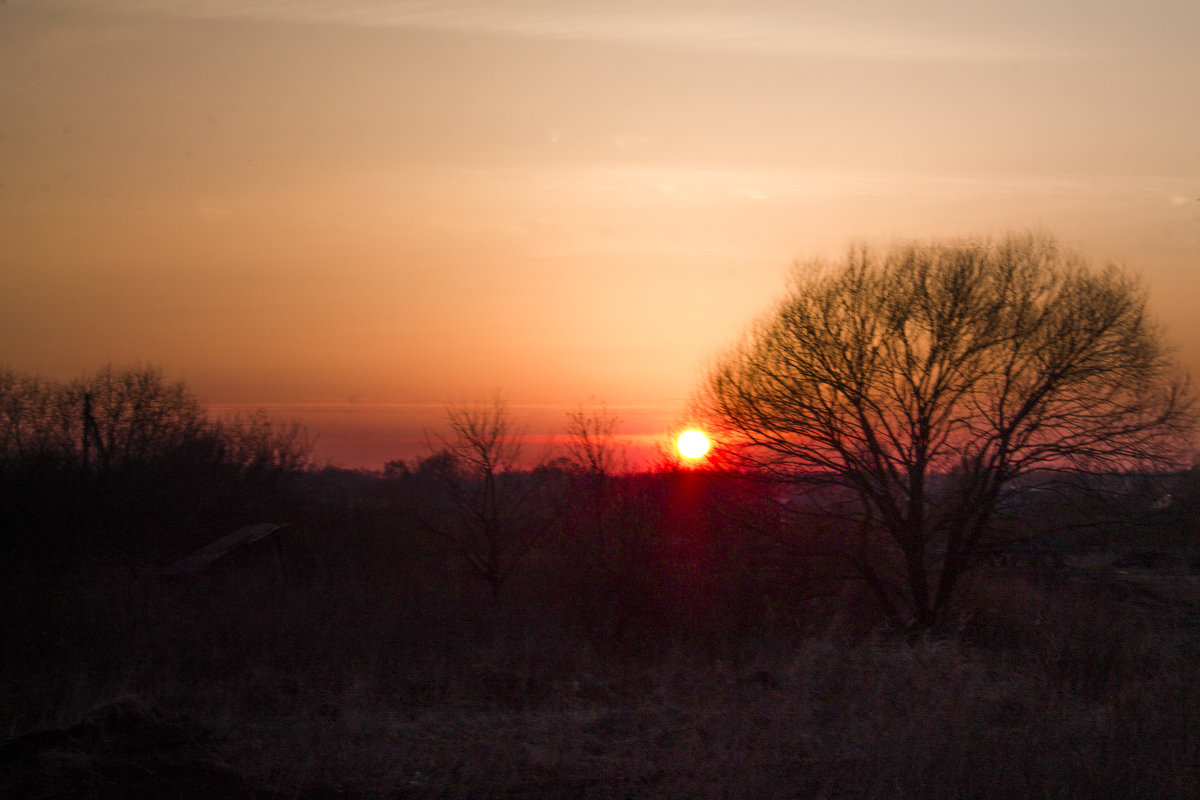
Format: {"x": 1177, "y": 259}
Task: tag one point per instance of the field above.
{"x": 370, "y": 669}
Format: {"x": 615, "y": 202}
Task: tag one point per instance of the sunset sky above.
{"x": 355, "y": 211}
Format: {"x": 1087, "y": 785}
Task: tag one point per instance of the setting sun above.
{"x": 692, "y": 444}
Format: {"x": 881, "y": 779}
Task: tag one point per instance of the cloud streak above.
{"x": 783, "y": 30}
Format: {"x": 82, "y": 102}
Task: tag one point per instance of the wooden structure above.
{"x": 240, "y": 540}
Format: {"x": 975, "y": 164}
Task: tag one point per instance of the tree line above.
{"x": 132, "y": 419}
{"x": 127, "y": 461}
{"x": 881, "y": 427}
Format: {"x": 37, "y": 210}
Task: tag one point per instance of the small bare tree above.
{"x": 591, "y": 448}
{"x": 909, "y": 390}
{"x": 257, "y": 445}
{"x": 486, "y": 508}
{"x": 597, "y": 547}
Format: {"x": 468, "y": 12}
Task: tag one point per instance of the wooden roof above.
{"x": 201, "y": 559}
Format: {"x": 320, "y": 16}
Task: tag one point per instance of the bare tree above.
{"x": 595, "y": 544}
{"x": 486, "y": 508}
{"x": 910, "y": 389}
{"x": 256, "y": 444}
{"x": 591, "y": 449}
{"x": 117, "y": 417}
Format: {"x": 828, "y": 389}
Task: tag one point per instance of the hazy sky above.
{"x": 364, "y": 209}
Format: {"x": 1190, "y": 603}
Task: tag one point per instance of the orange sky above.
{"x": 364, "y": 209}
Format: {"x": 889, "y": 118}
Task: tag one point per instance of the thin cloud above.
{"x": 631, "y": 140}
{"x": 783, "y": 31}
{"x": 717, "y": 185}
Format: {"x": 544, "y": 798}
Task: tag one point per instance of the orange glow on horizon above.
{"x": 367, "y": 200}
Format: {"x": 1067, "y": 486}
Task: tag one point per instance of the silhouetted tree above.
{"x": 117, "y": 418}
{"x": 257, "y": 445}
{"x": 484, "y": 507}
{"x": 911, "y": 388}
{"x": 591, "y": 448}
{"x": 27, "y": 421}
{"x": 598, "y": 549}
{"x": 396, "y": 469}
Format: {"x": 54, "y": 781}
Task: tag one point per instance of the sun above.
{"x": 692, "y": 444}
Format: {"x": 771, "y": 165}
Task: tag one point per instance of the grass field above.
{"x": 1078, "y": 681}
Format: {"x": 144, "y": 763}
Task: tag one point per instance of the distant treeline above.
{"x": 132, "y": 419}
{"x": 124, "y": 455}
{"x": 125, "y": 467}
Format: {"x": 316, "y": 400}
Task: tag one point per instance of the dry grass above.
{"x": 1083, "y": 684}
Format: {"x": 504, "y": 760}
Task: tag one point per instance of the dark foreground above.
{"x": 1075, "y": 681}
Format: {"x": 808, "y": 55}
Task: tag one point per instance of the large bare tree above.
{"x": 910, "y": 388}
